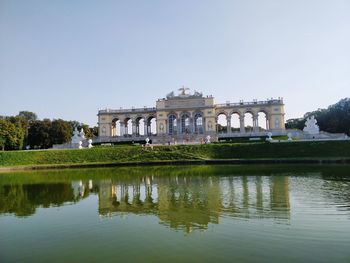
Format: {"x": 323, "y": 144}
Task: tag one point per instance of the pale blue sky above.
{"x": 66, "y": 59}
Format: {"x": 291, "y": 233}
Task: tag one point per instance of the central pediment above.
{"x": 185, "y": 100}
{"x": 184, "y": 94}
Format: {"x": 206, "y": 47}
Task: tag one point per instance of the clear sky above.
{"x": 66, "y": 59}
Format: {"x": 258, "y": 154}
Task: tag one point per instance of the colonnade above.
{"x": 132, "y": 127}
{"x": 242, "y": 125}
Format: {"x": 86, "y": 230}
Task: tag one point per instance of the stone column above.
{"x": 166, "y": 127}
{"x": 241, "y": 124}
{"x": 145, "y": 129}
{"x": 228, "y": 125}
{"x": 126, "y": 128}
{"x": 204, "y": 127}
{"x": 178, "y": 127}
{"x": 255, "y": 123}
{"x": 192, "y": 125}
{"x": 138, "y": 128}
{"x": 133, "y": 127}
{"x": 267, "y": 124}
{"x": 271, "y": 124}
{"x": 122, "y": 128}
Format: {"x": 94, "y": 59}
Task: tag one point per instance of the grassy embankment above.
{"x": 135, "y": 154}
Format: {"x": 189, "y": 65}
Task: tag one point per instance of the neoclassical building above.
{"x": 191, "y": 117}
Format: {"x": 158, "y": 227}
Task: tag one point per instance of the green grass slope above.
{"x": 121, "y": 154}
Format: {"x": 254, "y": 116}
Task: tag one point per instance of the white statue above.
{"x": 82, "y": 134}
{"x": 269, "y": 134}
{"x": 208, "y": 139}
{"x": 78, "y": 138}
{"x": 289, "y": 136}
{"x": 311, "y": 126}
{"x": 90, "y": 144}
{"x": 161, "y": 127}
{"x": 75, "y": 137}
{"x": 147, "y": 141}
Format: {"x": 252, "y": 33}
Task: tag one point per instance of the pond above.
{"x": 255, "y": 213}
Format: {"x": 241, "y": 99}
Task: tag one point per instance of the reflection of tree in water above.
{"x": 23, "y": 199}
{"x": 14, "y": 199}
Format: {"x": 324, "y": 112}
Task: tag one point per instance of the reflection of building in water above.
{"x": 180, "y": 202}
{"x": 256, "y": 197}
{"x": 188, "y": 202}
{"x": 193, "y": 202}
{"x": 78, "y": 188}
{"x": 279, "y": 196}
{"x": 137, "y": 198}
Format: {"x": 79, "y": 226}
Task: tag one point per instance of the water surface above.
{"x": 172, "y": 214}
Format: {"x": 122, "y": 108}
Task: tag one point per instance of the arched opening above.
{"x": 263, "y": 123}
{"x": 185, "y": 123}
{"x": 235, "y": 122}
{"x": 140, "y": 126}
{"x": 127, "y": 127}
{"x": 248, "y": 122}
{"x": 221, "y": 125}
{"x": 172, "y": 124}
{"x": 115, "y": 128}
{"x": 198, "y": 123}
{"x": 151, "y": 127}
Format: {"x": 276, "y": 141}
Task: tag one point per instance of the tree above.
{"x": 28, "y": 115}
{"x": 60, "y": 131}
{"x": 22, "y": 125}
{"x": 295, "y": 123}
{"x": 12, "y": 135}
{"x": 26, "y": 129}
{"x": 86, "y": 129}
{"x": 94, "y": 131}
{"x": 39, "y": 134}
{"x": 2, "y": 143}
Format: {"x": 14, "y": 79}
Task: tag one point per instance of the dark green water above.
{"x": 177, "y": 214}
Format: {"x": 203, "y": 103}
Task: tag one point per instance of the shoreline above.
{"x": 320, "y": 161}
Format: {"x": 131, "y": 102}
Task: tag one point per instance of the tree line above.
{"x": 334, "y": 119}
{"x": 25, "y": 129}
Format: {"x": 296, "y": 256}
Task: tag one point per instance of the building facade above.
{"x": 190, "y": 117}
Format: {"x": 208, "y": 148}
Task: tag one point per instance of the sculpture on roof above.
{"x": 183, "y": 91}
{"x": 198, "y": 94}
{"x": 170, "y": 95}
